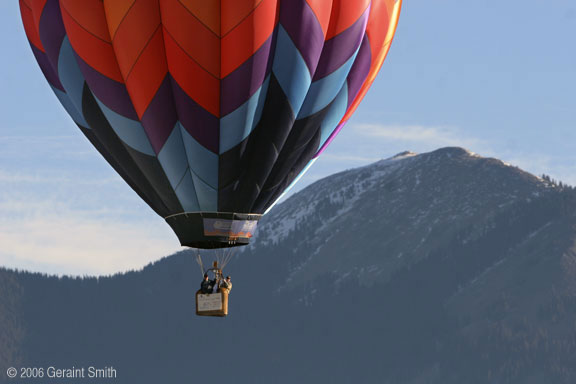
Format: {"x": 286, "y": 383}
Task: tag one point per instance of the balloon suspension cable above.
{"x": 224, "y": 256}
{"x": 200, "y": 263}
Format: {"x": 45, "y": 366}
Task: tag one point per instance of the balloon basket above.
{"x": 212, "y": 304}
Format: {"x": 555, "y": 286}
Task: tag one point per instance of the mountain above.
{"x": 442, "y": 267}
{"x": 392, "y": 214}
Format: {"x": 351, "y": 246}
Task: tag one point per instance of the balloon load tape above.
{"x": 210, "y": 230}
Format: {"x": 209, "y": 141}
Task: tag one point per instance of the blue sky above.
{"x": 498, "y": 78}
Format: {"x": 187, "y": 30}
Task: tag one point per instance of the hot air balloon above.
{"x": 210, "y": 109}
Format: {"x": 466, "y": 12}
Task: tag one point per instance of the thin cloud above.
{"x": 68, "y": 225}
{"x": 361, "y": 144}
{"x": 53, "y": 146}
{"x": 432, "y": 137}
{"x": 66, "y": 242}
{"x": 51, "y": 177}
{"x": 25, "y": 139}
{"x": 349, "y": 159}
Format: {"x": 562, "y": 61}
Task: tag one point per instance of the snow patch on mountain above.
{"x": 284, "y": 218}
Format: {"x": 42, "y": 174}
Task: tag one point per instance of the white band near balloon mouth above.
{"x": 253, "y": 216}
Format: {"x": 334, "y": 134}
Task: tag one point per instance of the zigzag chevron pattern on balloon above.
{"x": 210, "y": 105}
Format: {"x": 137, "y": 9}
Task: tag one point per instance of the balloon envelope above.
{"x": 210, "y": 109}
